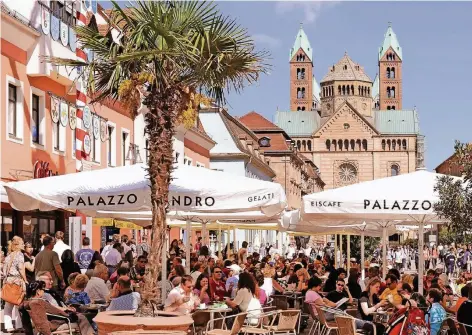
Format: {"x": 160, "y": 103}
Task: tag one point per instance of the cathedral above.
{"x": 352, "y": 128}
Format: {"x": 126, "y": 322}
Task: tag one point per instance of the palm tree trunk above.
{"x": 160, "y": 125}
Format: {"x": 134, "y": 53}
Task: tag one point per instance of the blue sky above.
{"x": 436, "y": 38}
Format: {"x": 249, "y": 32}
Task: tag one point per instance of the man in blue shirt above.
{"x": 85, "y": 255}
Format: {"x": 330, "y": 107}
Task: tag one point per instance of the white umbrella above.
{"x": 389, "y": 201}
{"x": 126, "y": 188}
{"x": 3, "y": 193}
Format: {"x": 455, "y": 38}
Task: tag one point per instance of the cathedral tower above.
{"x": 304, "y": 90}
{"x": 390, "y": 72}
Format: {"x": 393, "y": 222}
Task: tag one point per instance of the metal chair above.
{"x": 287, "y": 322}
{"x": 346, "y": 325}
{"x": 326, "y": 327}
{"x": 235, "y": 329}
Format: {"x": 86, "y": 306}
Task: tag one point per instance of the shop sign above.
{"x": 41, "y": 170}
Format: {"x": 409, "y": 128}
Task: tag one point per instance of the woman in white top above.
{"x": 246, "y": 291}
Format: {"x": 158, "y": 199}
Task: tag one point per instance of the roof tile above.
{"x": 256, "y": 121}
{"x": 346, "y": 69}
{"x": 404, "y": 122}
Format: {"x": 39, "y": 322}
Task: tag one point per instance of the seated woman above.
{"x": 71, "y": 288}
{"x": 369, "y": 303}
{"x": 303, "y": 278}
{"x": 245, "y": 293}
{"x": 313, "y": 296}
{"x": 260, "y": 292}
{"x": 202, "y": 289}
{"x": 38, "y": 307}
{"x": 79, "y": 297}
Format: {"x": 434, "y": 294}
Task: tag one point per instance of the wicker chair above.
{"x": 266, "y": 319}
{"x": 326, "y": 327}
{"x": 235, "y": 329}
{"x": 346, "y": 325}
{"x": 287, "y": 322}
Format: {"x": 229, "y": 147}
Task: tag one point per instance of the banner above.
{"x": 72, "y": 117}
{"x": 45, "y": 20}
{"x": 106, "y": 222}
{"x": 72, "y": 39}
{"x": 64, "y": 114}
{"x": 54, "y": 109}
{"x": 103, "y": 130}
{"x": 55, "y": 27}
{"x": 126, "y": 225}
{"x": 96, "y": 126}
{"x": 87, "y": 117}
{"x": 64, "y": 34}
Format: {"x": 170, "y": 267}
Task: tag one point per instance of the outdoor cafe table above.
{"x": 220, "y": 310}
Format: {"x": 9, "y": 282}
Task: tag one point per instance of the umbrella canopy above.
{"x": 3, "y": 193}
{"x": 407, "y": 197}
{"x": 126, "y": 188}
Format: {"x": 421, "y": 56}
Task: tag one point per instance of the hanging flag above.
{"x": 103, "y": 130}
{"x": 54, "y": 109}
{"x": 45, "y": 20}
{"x": 87, "y": 144}
{"x": 72, "y": 39}
{"x": 72, "y": 117}
{"x": 96, "y": 126}
{"x": 55, "y": 27}
{"x": 87, "y": 117}
{"x": 64, "y": 33}
{"x": 64, "y": 113}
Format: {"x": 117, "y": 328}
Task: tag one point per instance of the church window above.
{"x": 388, "y": 72}
{"x": 264, "y": 142}
{"x": 399, "y": 144}
{"x": 364, "y": 145}
{"x": 298, "y": 108}
{"x": 346, "y": 145}
{"x": 339, "y": 89}
{"x": 352, "y": 89}
{"x": 368, "y": 91}
{"x": 303, "y": 74}
{"x": 328, "y": 145}
{"x": 303, "y": 108}
{"x": 388, "y": 108}
{"x": 334, "y": 144}
{"x": 392, "y": 92}
{"x": 394, "y": 145}
{"x": 389, "y": 92}
{"x": 345, "y": 67}
{"x": 299, "y": 145}
{"x": 404, "y": 144}
{"x": 340, "y": 145}
{"x": 299, "y": 93}
{"x": 348, "y": 90}
{"x": 393, "y": 108}
{"x": 353, "y": 145}
{"x": 383, "y": 145}
{"x": 358, "y": 142}
{"x": 346, "y": 126}
{"x": 303, "y": 92}
{"x": 392, "y": 73}
{"x": 304, "y": 145}
{"x": 347, "y": 173}
{"x": 359, "y": 90}
{"x": 309, "y": 145}
{"x": 344, "y": 89}
{"x": 389, "y": 143}
{"x": 298, "y": 73}
{"x": 394, "y": 170}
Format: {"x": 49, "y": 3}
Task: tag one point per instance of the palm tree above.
{"x": 166, "y": 55}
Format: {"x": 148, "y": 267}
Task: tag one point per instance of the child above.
{"x": 436, "y": 314}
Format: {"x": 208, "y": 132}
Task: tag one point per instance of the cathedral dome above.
{"x": 346, "y": 69}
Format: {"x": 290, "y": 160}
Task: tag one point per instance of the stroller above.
{"x": 408, "y": 321}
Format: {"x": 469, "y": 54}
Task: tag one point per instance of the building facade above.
{"x": 359, "y": 131}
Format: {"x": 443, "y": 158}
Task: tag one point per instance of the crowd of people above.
{"x": 57, "y": 281}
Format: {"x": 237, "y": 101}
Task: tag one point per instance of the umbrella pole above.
{"x": 235, "y": 243}
{"x": 348, "y": 252}
{"x": 384, "y": 251}
{"x": 335, "y": 251}
{"x": 204, "y": 234}
{"x": 362, "y": 256}
{"x": 219, "y": 241}
{"x": 188, "y": 227}
{"x": 421, "y": 257}
{"x": 341, "y": 263}
{"x": 228, "y": 243}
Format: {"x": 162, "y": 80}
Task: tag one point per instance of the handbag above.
{"x": 12, "y": 293}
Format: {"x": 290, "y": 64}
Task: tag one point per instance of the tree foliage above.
{"x": 455, "y": 194}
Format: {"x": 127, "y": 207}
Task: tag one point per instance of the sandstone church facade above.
{"x": 354, "y": 129}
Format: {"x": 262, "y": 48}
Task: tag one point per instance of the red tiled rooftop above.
{"x": 255, "y": 121}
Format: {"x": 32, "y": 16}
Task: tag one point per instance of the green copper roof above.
{"x": 299, "y": 123}
{"x": 390, "y": 40}
{"x": 401, "y": 122}
{"x": 301, "y": 41}
{"x": 376, "y": 87}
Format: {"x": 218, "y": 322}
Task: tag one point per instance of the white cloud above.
{"x": 270, "y": 41}
{"x": 311, "y": 9}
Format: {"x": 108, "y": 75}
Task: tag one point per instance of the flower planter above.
{"x": 113, "y": 321}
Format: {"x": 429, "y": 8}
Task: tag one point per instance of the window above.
{"x": 328, "y": 145}
{"x": 383, "y": 144}
{"x": 264, "y": 142}
{"x": 200, "y": 165}
{"x": 65, "y": 12}
{"x": 111, "y": 144}
{"x": 95, "y": 147}
{"x": 125, "y": 145}
{"x": 187, "y": 161}
{"x": 59, "y": 137}
{"x": 35, "y": 117}
{"x": 346, "y": 126}
{"x": 12, "y": 112}
{"x": 347, "y": 173}
{"x": 394, "y": 170}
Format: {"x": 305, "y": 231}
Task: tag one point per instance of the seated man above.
{"x": 97, "y": 288}
{"x": 391, "y": 294}
{"x": 127, "y": 299}
{"x": 181, "y": 299}
{"x": 341, "y": 292}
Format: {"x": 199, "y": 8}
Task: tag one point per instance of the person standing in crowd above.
{"x": 242, "y": 253}
{"x": 114, "y": 239}
{"x": 14, "y": 273}
{"x": 113, "y": 257}
{"x": 450, "y": 262}
{"x": 436, "y": 314}
{"x": 465, "y": 311}
{"x": 29, "y": 262}
{"x": 60, "y": 246}
{"x": 85, "y": 255}
{"x": 68, "y": 265}
{"x": 143, "y": 247}
{"x": 48, "y": 261}
{"x": 124, "y": 246}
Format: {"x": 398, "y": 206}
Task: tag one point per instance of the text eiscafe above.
{"x": 192, "y": 201}
{"x": 326, "y": 204}
{"x": 401, "y": 205}
{"x": 267, "y": 196}
{"x": 106, "y": 200}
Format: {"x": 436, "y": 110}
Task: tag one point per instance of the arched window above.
{"x": 393, "y": 108}
{"x": 303, "y": 108}
{"x": 344, "y": 89}
{"x": 394, "y": 170}
{"x": 353, "y": 145}
{"x": 328, "y": 145}
{"x": 348, "y": 90}
{"x": 359, "y": 90}
{"x": 302, "y": 74}
{"x": 399, "y": 144}
{"x": 340, "y": 145}
{"x": 299, "y": 145}
{"x": 364, "y": 145}
{"x": 383, "y": 144}
{"x": 303, "y": 93}
{"x": 304, "y": 145}
{"x": 388, "y": 72}
{"x": 394, "y": 145}
{"x": 352, "y": 89}
{"x": 334, "y": 144}
{"x": 339, "y": 89}
{"x": 392, "y": 73}
{"x": 309, "y": 145}
{"x": 299, "y": 108}
{"x": 346, "y": 145}
{"x": 299, "y": 93}
{"x": 368, "y": 91}
{"x": 389, "y": 92}
{"x": 358, "y": 142}
{"x": 392, "y": 92}
{"x": 298, "y": 73}
{"x": 389, "y": 145}
{"x": 404, "y": 144}
{"x": 388, "y": 108}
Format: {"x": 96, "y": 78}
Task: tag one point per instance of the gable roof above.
{"x": 367, "y": 124}
{"x": 346, "y": 69}
{"x": 256, "y": 121}
{"x": 301, "y": 41}
{"x": 298, "y": 123}
{"x": 390, "y": 41}
{"x": 404, "y": 122}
